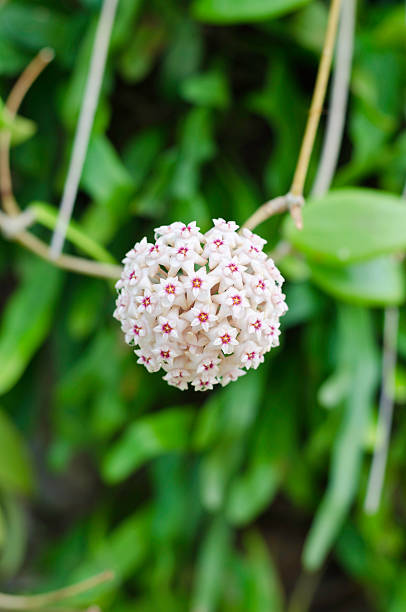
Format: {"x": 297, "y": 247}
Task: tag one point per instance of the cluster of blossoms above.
{"x": 200, "y": 306}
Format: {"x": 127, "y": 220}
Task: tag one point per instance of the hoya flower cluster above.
{"x": 201, "y": 306}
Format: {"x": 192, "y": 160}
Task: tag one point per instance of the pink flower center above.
{"x": 183, "y": 251}
{"x": 170, "y": 289}
{"x": 236, "y": 300}
{"x": 146, "y": 302}
{"x": 165, "y": 354}
{"x": 252, "y": 248}
{"x": 257, "y": 324}
{"x": 145, "y": 359}
{"x": 232, "y": 267}
{"x": 155, "y": 248}
{"x": 261, "y": 285}
{"x": 166, "y": 328}
{"x": 225, "y": 338}
{"x": 208, "y": 366}
{"x": 203, "y": 316}
{"x": 197, "y": 283}
{"x": 203, "y": 383}
{"x": 132, "y": 275}
{"x": 218, "y": 243}
{"x": 137, "y": 329}
{"x": 251, "y": 355}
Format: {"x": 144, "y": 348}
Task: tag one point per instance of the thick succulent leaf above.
{"x": 350, "y": 225}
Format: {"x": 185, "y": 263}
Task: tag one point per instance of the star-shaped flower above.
{"x": 224, "y": 336}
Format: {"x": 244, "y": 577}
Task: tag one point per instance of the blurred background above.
{"x": 248, "y": 498}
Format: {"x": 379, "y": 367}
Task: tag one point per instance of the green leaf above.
{"x": 263, "y": 589}
{"x": 251, "y": 492}
{"x": 356, "y": 331}
{"x": 35, "y": 26}
{"x": 47, "y": 215}
{"x": 104, "y": 176}
{"x": 27, "y": 319}
{"x": 142, "y": 51}
{"x": 12, "y": 59}
{"x": 350, "y": 225}
{"x": 243, "y": 11}
{"x": 211, "y": 567}
{"x": 207, "y": 89}
{"x": 15, "y": 467}
{"x": 141, "y": 152}
{"x": 19, "y": 128}
{"x": 196, "y": 147}
{"x": 150, "y": 436}
{"x": 123, "y": 551}
{"x": 378, "y": 282}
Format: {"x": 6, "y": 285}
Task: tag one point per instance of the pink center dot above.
{"x": 203, "y": 316}
{"x": 170, "y": 289}
{"x": 257, "y": 324}
{"x": 183, "y": 251}
{"x": 166, "y": 328}
{"x": 225, "y": 338}
{"x": 196, "y": 283}
{"x": 236, "y": 300}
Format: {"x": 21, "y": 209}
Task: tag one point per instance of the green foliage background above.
{"x": 215, "y": 501}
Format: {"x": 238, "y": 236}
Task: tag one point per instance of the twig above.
{"x": 303, "y": 592}
{"x": 386, "y": 400}
{"x": 9, "y": 203}
{"x": 270, "y": 208}
{"x": 294, "y": 199}
{"x": 23, "y": 84}
{"x": 84, "y": 126}
{"x": 339, "y": 98}
{"x": 33, "y": 602}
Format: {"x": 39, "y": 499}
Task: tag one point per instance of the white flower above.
{"x": 203, "y": 307}
{"x": 224, "y": 336}
{"x": 232, "y": 273}
{"x": 233, "y": 302}
{"x": 170, "y": 289}
{"x": 251, "y": 355}
{"x": 255, "y": 321}
{"x": 146, "y": 359}
{"x": 146, "y": 301}
{"x": 201, "y": 316}
{"x": 199, "y": 282}
{"x": 169, "y": 327}
{"x": 204, "y": 383}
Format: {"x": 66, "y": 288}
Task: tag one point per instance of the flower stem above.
{"x": 33, "y": 602}
{"x": 293, "y": 200}
{"x": 9, "y": 203}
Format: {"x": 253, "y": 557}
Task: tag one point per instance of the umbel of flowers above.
{"x": 203, "y": 307}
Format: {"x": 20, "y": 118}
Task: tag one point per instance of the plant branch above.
{"x": 9, "y": 203}
{"x": 339, "y": 98}
{"x": 23, "y": 84}
{"x": 293, "y": 200}
{"x": 33, "y": 602}
{"x": 85, "y": 122}
{"x": 377, "y": 474}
